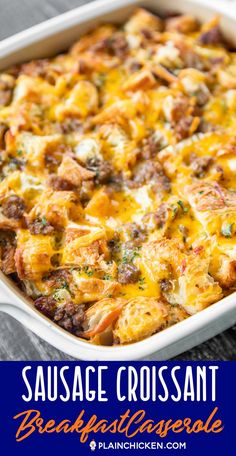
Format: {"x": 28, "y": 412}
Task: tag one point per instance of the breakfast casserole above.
{"x": 118, "y": 189}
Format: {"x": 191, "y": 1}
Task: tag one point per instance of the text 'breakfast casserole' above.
{"x": 118, "y": 189}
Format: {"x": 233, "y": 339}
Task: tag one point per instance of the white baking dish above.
{"x": 52, "y": 37}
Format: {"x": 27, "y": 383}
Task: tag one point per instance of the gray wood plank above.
{"x": 16, "y": 342}
{"x": 17, "y": 15}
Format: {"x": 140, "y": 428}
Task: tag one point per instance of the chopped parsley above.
{"x": 44, "y": 221}
{"x": 174, "y": 211}
{"x": 88, "y": 271}
{"x": 183, "y": 207}
{"x": 57, "y": 295}
{"x": 227, "y": 230}
{"x": 65, "y": 285}
{"x": 141, "y": 283}
{"x": 107, "y": 277}
{"x": 100, "y": 80}
{"x": 130, "y": 255}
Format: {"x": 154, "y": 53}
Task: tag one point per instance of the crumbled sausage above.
{"x": 70, "y": 317}
{"x": 82, "y": 67}
{"x": 7, "y": 252}
{"x": 114, "y": 246}
{"x": 118, "y": 44}
{"x": 6, "y": 88}
{"x": 103, "y": 170}
{"x": 176, "y": 109}
{"x": 189, "y": 56}
{"x": 200, "y": 165}
{"x": 212, "y": 36}
{"x": 51, "y": 161}
{"x": 186, "y": 127}
{"x": 152, "y": 145}
{"x": 3, "y": 129}
{"x": 13, "y": 207}
{"x": 205, "y": 126}
{"x": 70, "y": 125}
{"x": 161, "y": 215}
{"x": 60, "y": 278}
{"x": 36, "y": 68}
{"x": 216, "y": 61}
{"x": 58, "y": 183}
{"x": 86, "y": 191}
{"x": 128, "y": 273}
{"x": 115, "y": 45}
{"x": 46, "y": 305}
{"x": 16, "y": 163}
{"x": 41, "y": 68}
{"x": 135, "y": 232}
{"x": 8, "y": 261}
{"x": 150, "y": 172}
{"x": 202, "y": 95}
{"x": 165, "y": 285}
{"x": 133, "y": 66}
{"x": 149, "y": 148}
{"x": 158, "y": 218}
{"x": 40, "y": 226}
{"x": 148, "y": 34}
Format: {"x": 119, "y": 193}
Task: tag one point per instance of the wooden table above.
{"x": 16, "y": 342}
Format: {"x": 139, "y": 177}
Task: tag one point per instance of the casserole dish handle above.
{"x": 14, "y": 310}
{"x": 36, "y": 325}
{"x": 10, "y": 306}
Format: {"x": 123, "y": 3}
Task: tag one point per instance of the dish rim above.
{"x": 13, "y": 301}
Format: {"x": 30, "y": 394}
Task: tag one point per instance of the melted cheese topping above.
{"x": 118, "y": 189}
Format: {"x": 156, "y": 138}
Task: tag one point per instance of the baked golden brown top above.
{"x": 118, "y": 190}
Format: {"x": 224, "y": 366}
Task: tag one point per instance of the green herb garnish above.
{"x": 130, "y": 255}
{"x": 44, "y": 221}
{"x": 65, "y": 285}
{"x": 174, "y": 211}
{"x": 141, "y": 283}
{"x": 183, "y": 207}
{"x": 88, "y": 271}
{"x": 107, "y": 277}
{"x": 227, "y": 230}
